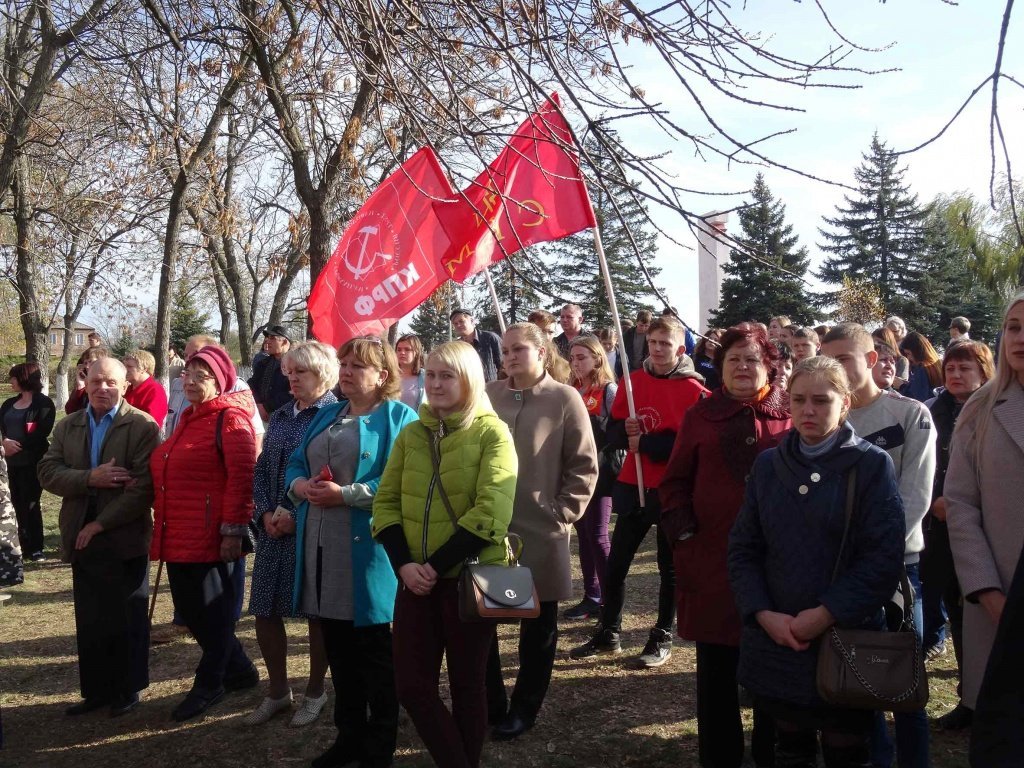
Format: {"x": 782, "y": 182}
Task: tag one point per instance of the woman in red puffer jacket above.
{"x": 202, "y": 478}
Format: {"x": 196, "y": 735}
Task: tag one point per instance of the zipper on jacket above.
{"x": 436, "y": 437}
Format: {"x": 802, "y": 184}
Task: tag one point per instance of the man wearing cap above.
{"x": 269, "y": 385}
{"x": 99, "y": 463}
{"x": 486, "y": 343}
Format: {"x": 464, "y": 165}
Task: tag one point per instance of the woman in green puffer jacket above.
{"x": 478, "y": 471}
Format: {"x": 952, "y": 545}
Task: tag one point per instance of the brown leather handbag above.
{"x": 873, "y": 669}
{"x": 499, "y": 593}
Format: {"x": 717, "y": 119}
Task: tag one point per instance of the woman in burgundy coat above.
{"x": 702, "y": 492}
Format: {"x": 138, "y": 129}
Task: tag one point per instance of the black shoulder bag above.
{"x": 502, "y": 593}
{"x": 872, "y": 669}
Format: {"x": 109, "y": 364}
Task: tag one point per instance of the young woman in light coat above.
{"x": 557, "y": 477}
{"x": 983, "y": 492}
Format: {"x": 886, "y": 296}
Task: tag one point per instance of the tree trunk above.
{"x": 175, "y": 208}
{"x": 37, "y": 342}
{"x": 284, "y": 287}
{"x": 60, "y": 377}
{"x": 222, "y": 299}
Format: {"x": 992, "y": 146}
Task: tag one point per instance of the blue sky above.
{"x": 941, "y": 53}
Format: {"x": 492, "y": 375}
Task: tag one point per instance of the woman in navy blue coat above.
{"x": 782, "y": 552}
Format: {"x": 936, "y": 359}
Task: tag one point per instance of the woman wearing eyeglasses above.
{"x": 342, "y": 575}
{"x": 202, "y": 478}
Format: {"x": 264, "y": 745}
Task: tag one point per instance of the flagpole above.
{"x": 494, "y": 298}
{"x": 622, "y": 349}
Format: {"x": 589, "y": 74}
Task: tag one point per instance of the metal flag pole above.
{"x": 494, "y": 298}
{"x": 606, "y": 274}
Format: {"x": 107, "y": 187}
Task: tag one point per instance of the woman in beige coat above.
{"x": 984, "y": 488}
{"x": 557, "y": 476}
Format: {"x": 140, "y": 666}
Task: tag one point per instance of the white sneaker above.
{"x": 267, "y": 709}
{"x": 309, "y": 710}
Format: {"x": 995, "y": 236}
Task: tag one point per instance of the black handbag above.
{"x": 502, "y": 593}
{"x": 873, "y": 669}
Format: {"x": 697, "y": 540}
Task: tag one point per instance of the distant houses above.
{"x": 79, "y": 338}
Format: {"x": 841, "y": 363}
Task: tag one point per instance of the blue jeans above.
{"x": 911, "y": 727}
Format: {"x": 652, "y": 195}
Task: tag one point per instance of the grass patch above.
{"x": 597, "y": 715}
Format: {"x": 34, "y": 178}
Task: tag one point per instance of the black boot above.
{"x": 796, "y": 749}
{"x": 857, "y": 756}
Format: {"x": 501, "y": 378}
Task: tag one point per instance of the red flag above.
{"x": 532, "y": 192}
{"x": 386, "y": 262}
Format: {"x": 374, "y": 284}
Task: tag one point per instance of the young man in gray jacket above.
{"x": 903, "y": 428}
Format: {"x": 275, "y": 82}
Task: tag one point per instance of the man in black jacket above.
{"x": 268, "y": 384}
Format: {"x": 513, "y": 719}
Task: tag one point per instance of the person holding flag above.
{"x": 663, "y": 391}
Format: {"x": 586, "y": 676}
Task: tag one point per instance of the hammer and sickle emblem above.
{"x": 361, "y": 267}
{"x": 533, "y": 207}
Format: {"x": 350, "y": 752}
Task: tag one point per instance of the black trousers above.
{"x": 111, "y": 623}
{"x": 538, "y": 641}
{"x": 939, "y": 583}
{"x": 719, "y": 728}
{"x": 204, "y": 596}
{"x": 365, "y": 701}
{"x": 630, "y": 529}
{"x": 25, "y": 494}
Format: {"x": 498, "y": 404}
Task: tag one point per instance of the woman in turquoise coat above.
{"x": 341, "y": 574}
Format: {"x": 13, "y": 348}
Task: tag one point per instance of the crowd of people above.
{"x": 793, "y": 476}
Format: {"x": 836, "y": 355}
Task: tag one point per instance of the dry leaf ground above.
{"x": 598, "y": 714}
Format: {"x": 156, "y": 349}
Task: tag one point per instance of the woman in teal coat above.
{"x": 428, "y": 545}
{"x": 342, "y": 575}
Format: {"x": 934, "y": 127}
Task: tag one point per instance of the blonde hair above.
{"x": 782, "y": 320}
{"x": 667, "y": 324}
{"x": 201, "y": 340}
{"x": 318, "y": 358}
{"x": 371, "y": 351}
{"x": 531, "y": 331}
{"x": 142, "y": 358}
{"x": 602, "y": 374}
{"x": 464, "y": 360}
{"x": 981, "y": 403}
{"x": 825, "y": 369}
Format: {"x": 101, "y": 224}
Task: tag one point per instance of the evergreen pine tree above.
{"x": 754, "y": 289}
{"x": 430, "y": 321}
{"x": 578, "y": 271}
{"x": 948, "y": 286}
{"x": 186, "y": 317}
{"x": 516, "y": 297}
{"x": 879, "y": 234}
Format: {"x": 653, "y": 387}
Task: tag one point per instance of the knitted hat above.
{"x": 220, "y": 364}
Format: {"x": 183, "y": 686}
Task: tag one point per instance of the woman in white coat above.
{"x": 984, "y": 488}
